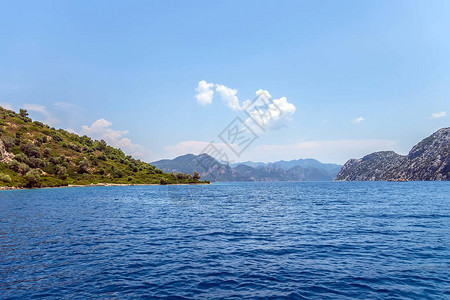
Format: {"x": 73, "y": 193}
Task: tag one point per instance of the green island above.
{"x": 35, "y": 155}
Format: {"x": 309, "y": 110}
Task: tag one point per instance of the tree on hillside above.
{"x": 23, "y": 113}
{"x": 9, "y": 142}
{"x": 61, "y": 172}
{"x": 32, "y": 178}
{"x": 83, "y": 166}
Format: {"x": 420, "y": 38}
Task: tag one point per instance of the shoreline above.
{"x": 8, "y": 188}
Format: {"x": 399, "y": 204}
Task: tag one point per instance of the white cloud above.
{"x": 100, "y": 129}
{"x": 49, "y": 118}
{"x": 438, "y": 115}
{"x": 6, "y": 105}
{"x": 278, "y": 113}
{"x": 358, "y": 120}
{"x": 265, "y": 113}
{"x": 205, "y": 92}
{"x": 228, "y": 95}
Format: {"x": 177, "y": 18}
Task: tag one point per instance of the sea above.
{"x": 252, "y": 240}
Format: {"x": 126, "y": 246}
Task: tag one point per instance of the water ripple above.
{"x": 345, "y": 240}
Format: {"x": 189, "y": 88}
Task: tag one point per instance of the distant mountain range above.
{"x": 210, "y": 169}
{"x": 428, "y": 160}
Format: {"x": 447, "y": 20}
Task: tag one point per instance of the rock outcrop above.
{"x": 5, "y": 156}
{"x": 428, "y": 160}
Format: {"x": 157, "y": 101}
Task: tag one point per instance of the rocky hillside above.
{"x": 211, "y": 169}
{"x": 33, "y": 154}
{"x": 428, "y": 160}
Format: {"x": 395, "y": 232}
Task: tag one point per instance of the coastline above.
{"x": 8, "y": 188}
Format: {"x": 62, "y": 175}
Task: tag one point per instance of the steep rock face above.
{"x": 428, "y": 160}
{"x": 5, "y": 156}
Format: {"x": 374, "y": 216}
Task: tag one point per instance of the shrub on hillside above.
{"x": 42, "y": 138}
{"x": 5, "y": 178}
{"x": 14, "y": 165}
{"x": 61, "y": 172}
{"x": 83, "y": 166}
{"x": 9, "y": 142}
{"x": 32, "y": 178}
{"x": 23, "y": 113}
{"x": 31, "y": 150}
{"x": 23, "y": 168}
{"x": 37, "y": 163}
{"x": 47, "y": 152}
{"x": 21, "y": 157}
{"x": 57, "y": 138}
{"x": 75, "y": 147}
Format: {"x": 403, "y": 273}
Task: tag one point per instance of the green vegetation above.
{"x": 49, "y": 157}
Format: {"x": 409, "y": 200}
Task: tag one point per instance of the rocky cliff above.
{"x": 428, "y": 160}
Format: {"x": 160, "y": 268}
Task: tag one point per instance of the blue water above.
{"x": 237, "y": 240}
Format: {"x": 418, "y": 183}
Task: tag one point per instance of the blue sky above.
{"x": 127, "y": 71}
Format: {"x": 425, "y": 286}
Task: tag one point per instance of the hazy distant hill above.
{"x": 428, "y": 160}
{"x": 332, "y": 169}
{"x": 211, "y": 169}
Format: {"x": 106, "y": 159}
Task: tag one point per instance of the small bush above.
{"x": 47, "y": 152}
{"x": 32, "y": 178}
{"x": 31, "y": 150}
{"x": 5, "y": 178}
{"x": 37, "y": 163}
{"x": 75, "y": 147}
{"x": 83, "y": 166}
{"x": 21, "y": 157}
{"x": 23, "y": 168}
{"x": 61, "y": 172}
{"x": 57, "y": 138}
{"x": 8, "y": 142}
{"x": 14, "y": 165}
{"x": 55, "y": 160}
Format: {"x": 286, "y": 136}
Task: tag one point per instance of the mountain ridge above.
{"x": 213, "y": 170}
{"x": 427, "y": 160}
